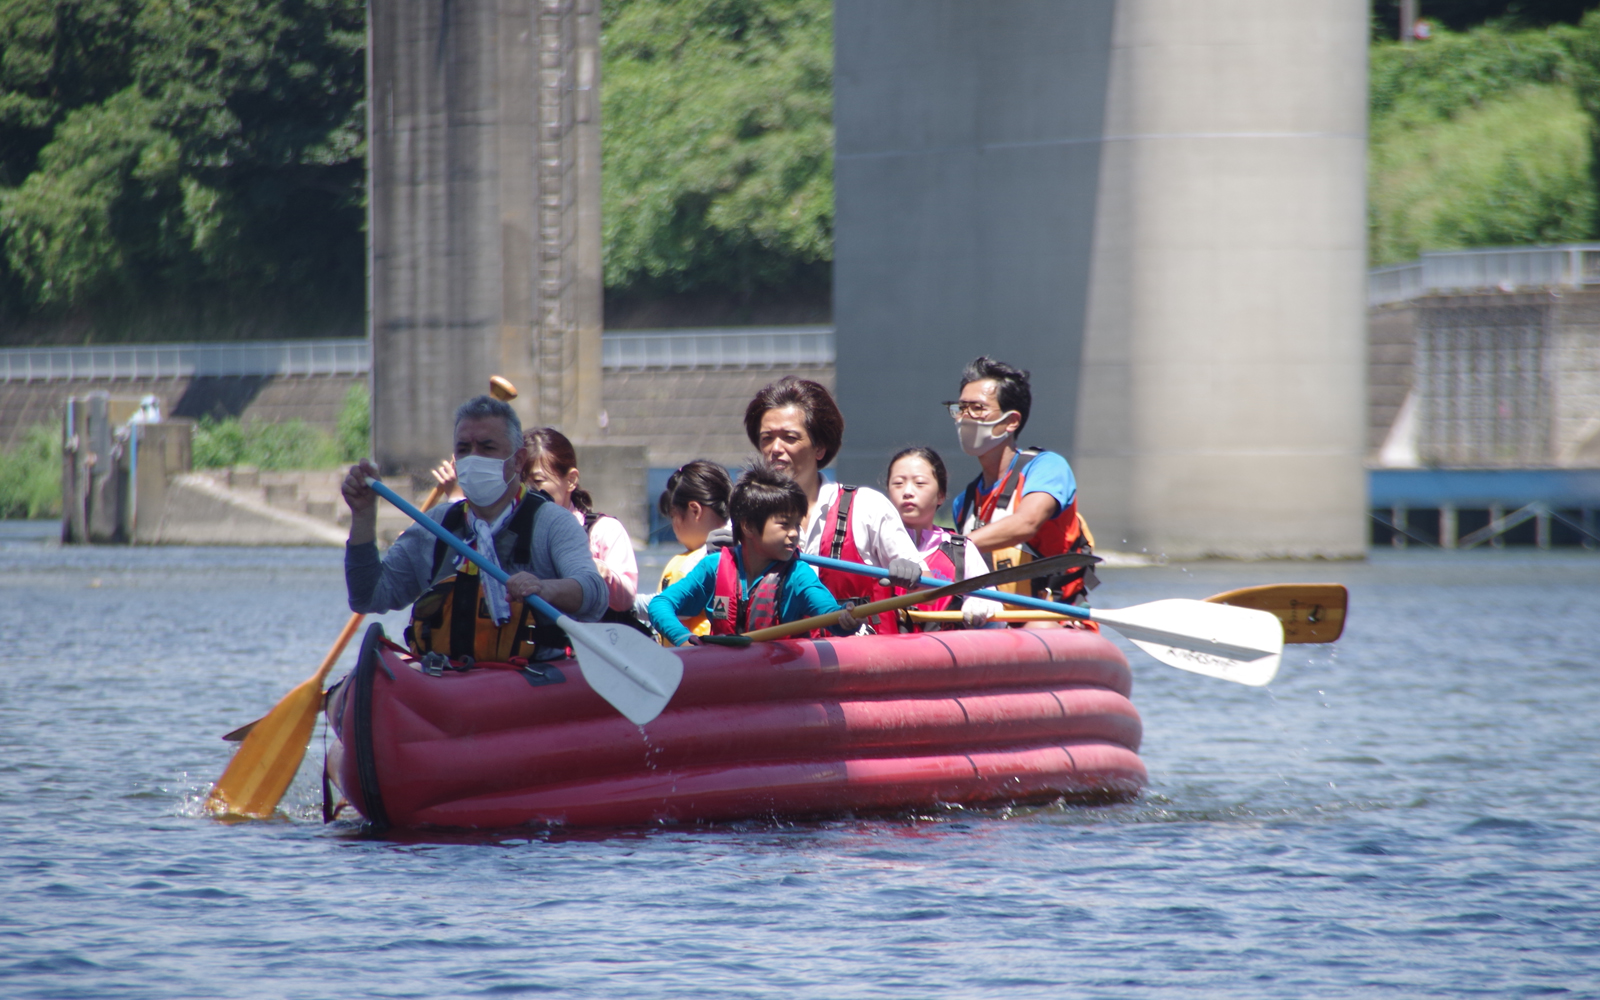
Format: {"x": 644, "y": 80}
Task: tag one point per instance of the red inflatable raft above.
{"x": 781, "y": 729}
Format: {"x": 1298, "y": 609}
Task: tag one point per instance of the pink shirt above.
{"x": 613, "y": 557}
{"x": 928, "y": 542}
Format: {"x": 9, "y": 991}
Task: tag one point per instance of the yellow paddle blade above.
{"x": 1310, "y": 612}
{"x": 269, "y": 757}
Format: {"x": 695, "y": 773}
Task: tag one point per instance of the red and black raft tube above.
{"x": 785, "y": 729}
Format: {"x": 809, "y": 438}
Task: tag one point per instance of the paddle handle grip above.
{"x": 534, "y": 601}
{"x": 933, "y": 581}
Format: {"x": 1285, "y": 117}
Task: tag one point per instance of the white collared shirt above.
{"x": 879, "y": 533}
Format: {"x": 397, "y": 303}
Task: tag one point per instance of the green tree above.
{"x": 212, "y": 153}
{"x": 718, "y": 133}
{"x": 1480, "y": 139}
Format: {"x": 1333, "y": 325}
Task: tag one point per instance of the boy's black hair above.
{"x": 702, "y": 481}
{"x": 1011, "y": 385}
{"x": 762, "y": 492}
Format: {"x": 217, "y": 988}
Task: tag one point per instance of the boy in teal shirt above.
{"x": 757, "y": 582}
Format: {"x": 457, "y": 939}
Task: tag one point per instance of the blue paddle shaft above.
{"x": 538, "y": 603}
{"x": 933, "y": 581}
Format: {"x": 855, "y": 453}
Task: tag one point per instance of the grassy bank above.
{"x": 1483, "y": 138}
{"x": 30, "y": 472}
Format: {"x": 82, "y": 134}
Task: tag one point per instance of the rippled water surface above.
{"x": 1411, "y": 812}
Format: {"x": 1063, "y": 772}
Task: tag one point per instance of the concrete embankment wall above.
{"x": 314, "y": 399}
{"x": 670, "y": 396}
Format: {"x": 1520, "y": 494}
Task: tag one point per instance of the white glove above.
{"x": 720, "y": 538}
{"x": 848, "y": 623}
{"x": 904, "y": 573}
{"x": 975, "y": 615}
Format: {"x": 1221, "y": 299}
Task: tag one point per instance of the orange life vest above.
{"x": 453, "y": 618}
{"x": 1066, "y": 532}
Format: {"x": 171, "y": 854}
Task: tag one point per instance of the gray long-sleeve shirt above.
{"x": 559, "y": 549}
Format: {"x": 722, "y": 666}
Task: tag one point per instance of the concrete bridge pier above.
{"x": 1158, "y": 208}
{"x": 484, "y": 124}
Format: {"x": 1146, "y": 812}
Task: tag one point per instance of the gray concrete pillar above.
{"x": 1157, "y": 207}
{"x": 484, "y": 221}
{"x": 966, "y": 170}
{"x": 1222, "y": 393}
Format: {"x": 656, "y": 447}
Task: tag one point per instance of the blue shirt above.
{"x": 802, "y": 596}
{"x": 1047, "y": 473}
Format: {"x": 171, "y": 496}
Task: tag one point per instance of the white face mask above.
{"x": 482, "y": 479}
{"x": 978, "y": 438}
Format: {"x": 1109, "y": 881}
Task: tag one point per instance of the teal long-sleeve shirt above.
{"x": 803, "y": 595}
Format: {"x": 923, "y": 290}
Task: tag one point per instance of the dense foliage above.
{"x": 718, "y": 142}
{"x": 194, "y": 162}
{"x": 30, "y": 475}
{"x": 176, "y": 170}
{"x": 292, "y": 444}
{"x": 1483, "y": 139}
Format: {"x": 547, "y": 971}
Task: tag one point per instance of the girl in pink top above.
{"x": 552, "y": 466}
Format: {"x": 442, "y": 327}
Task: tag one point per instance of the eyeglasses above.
{"x": 965, "y": 408}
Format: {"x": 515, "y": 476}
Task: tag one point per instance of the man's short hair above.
{"x": 824, "y": 422}
{"x": 762, "y": 492}
{"x": 481, "y": 407}
{"x": 1011, "y": 383}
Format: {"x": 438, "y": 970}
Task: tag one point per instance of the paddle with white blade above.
{"x": 623, "y": 665}
{"x": 1236, "y": 644}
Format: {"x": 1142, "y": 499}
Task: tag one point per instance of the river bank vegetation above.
{"x": 30, "y": 470}
{"x": 191, "y": 171}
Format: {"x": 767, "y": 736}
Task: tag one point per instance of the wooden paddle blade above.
{"x": 1236, "y": 644}
{"x": 1310, "y": 612}
{"x": 624, "y": 666}
{"x": 266, "y": 762}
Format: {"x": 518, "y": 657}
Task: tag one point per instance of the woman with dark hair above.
{"x": 696, "y": 502}
{"x": 918, "y": 484}
{"x": 552, "y": 466}
{"x": 797, "y": 428}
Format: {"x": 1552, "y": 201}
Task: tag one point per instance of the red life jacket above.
{"x": 947, "y": 562}
{"x": 731, "y": 612}
{"x": 839, "y": 542}
{"x": 1065, "y": 532}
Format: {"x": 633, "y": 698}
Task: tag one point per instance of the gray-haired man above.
{"x": 456, "y": 611}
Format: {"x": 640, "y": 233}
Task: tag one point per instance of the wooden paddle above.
{"x": 623, "y": 665}
{"x": 273, "y": 746}
{"x": 1041, "y": 567}
{"x": 1309, "y": 612}
{"x": 1231, "y": 643}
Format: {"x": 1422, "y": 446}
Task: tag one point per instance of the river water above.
{"x": 1414, "y": 811}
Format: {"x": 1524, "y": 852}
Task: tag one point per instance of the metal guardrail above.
{"x": 718, "y": 348}
{"x": 157, "y": 361}
{"x": 631, "y": 351}
{"x": 1570, "y": 265}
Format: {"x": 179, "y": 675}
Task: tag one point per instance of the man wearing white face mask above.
{"x": 457, "y": 611}
{"x": 1024, "y": 499}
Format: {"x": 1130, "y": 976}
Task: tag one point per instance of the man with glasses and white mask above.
{"x": 457, "y": 611}
{"x": 1024, "y": 504}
